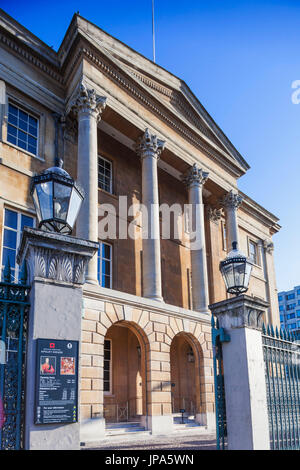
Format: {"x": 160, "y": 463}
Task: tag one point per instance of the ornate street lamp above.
{"x": 236, "y": 270}
{"x": 57, "y": 199}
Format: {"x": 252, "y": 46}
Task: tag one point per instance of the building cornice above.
{"x": 260, "y": 213}
{"x": 34, "y": 57}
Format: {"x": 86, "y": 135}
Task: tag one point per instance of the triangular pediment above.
{"x": 168, "y": 90}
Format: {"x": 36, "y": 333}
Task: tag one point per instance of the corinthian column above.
{"x": 194, "y": 179}
{"x": 149, "y": 148}
{"x": 88, "y": 107}
{"x": 232, "y": 202}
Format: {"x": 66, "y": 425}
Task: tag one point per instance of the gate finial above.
{"x": 7, "y": 272}
{"x": 23, "y": 277}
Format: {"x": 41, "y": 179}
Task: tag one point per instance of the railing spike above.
{"x": 7, "y": 272}
{"x": 280, "y": 333}
{"x": 284, "y": 334}
{"x": 272, "y": 331}
{"x": 23, "y": 276}
{"x": 276, "y": 332}
{"x": 268, "y": 331}
{"x": 263, "y": 329}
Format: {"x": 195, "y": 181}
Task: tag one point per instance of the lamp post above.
{"x": 236, "y": 271}
{"x": 238, "y": 360}
{"x": 57, "y": 199}
{"x": 57, "y": 264}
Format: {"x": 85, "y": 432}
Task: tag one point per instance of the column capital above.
{"x": 149, "y": 145}
{"x": 232, "y": 200}
{"x": 87, "y": 101}
{"x": 195, "y": 175}
{"x": 268, "y": 246}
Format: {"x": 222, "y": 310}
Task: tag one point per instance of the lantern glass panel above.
{"x": 228, "y": 275}
{"x": 61, "y": 200}
{"x": 75, "y": 203}
{"x": 248, "y": 269}
{"x": 45, "y": 195}
{"x": 239, "y": 271}
{"x": 36, "y": 204}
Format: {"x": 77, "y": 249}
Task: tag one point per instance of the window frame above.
{"x": 108, "y": 392}
{"x": 111, "y": 174}
{"x": 99, "y": 258}
{"x": 19, "y": 213}
{"x": 16, "y": 99}
{"x": 30, "y": 114}
{"x": 257, "y": 251}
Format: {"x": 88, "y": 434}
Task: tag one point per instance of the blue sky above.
{"x": 240, "y": 59}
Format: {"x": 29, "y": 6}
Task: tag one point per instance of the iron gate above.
{"x": 14, "y": 308}
{"x": 219, "y": 337}
{"x": 282, "y": 370}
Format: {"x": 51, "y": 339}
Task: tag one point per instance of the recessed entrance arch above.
{"x": 186, "y": 366}
{"x": 124, "y": 378}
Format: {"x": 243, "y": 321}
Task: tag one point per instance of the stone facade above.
{"x": 96, "y": 96}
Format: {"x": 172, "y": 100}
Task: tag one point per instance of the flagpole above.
{"x": 153, "y": 31}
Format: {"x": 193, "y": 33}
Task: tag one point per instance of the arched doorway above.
{"x": 184, "y": 376}
{"x": 124, "y": 374}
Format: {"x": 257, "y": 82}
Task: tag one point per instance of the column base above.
{"x": 92, "y": 430}
{"x": 203, "y": 310}
{"x": 208, "y": 420}
{"x": 154, "y": 297}
{"x": 161, "y": 424}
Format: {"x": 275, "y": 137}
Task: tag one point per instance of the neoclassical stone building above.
{"x": 126, "y": 127}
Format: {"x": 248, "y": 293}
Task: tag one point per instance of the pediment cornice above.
{"x": 116, "y": 71}
{"x": 158, "y": 90}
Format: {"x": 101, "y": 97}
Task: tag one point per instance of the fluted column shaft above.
{"x": 231, "y": 203}
{"x": 194, "y": 181}
{"x": 149, "y": 147}
{"x": 88, "y": 107}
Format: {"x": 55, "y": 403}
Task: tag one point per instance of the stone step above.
{"x": 126, "y": 431}
{"x": 122, "y": 424}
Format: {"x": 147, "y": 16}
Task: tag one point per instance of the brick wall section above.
{"x": 155, "y": 332}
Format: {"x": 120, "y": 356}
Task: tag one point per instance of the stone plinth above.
{"x": 56, "y": 267}
{"x": 244, "y": 372}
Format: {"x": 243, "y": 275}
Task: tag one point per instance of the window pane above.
{"x": 106, "y": 281}
{"x": 106, "y": 344}
{"x": 23, "y": 125}
{"x": 32, "y": 149}
{"x": 11, "y": 219}
{"x": 11, "y": 130}
{"x": 26, "y": 221}
{"x": 22, "y": 144}
{"x": 11, "y": 139}
{"x": 106, "y": 267}
{"x": 32, "y": 140}
{"x": 33, "y": 122}
{"x": 9, "y": 254}
{"x": 106, "y": 386}
{"x": 105, "y": 251}
{"x": 12, "y": 109}
{"x": 23, "y": 116}
{"x": 10, "y": 239}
